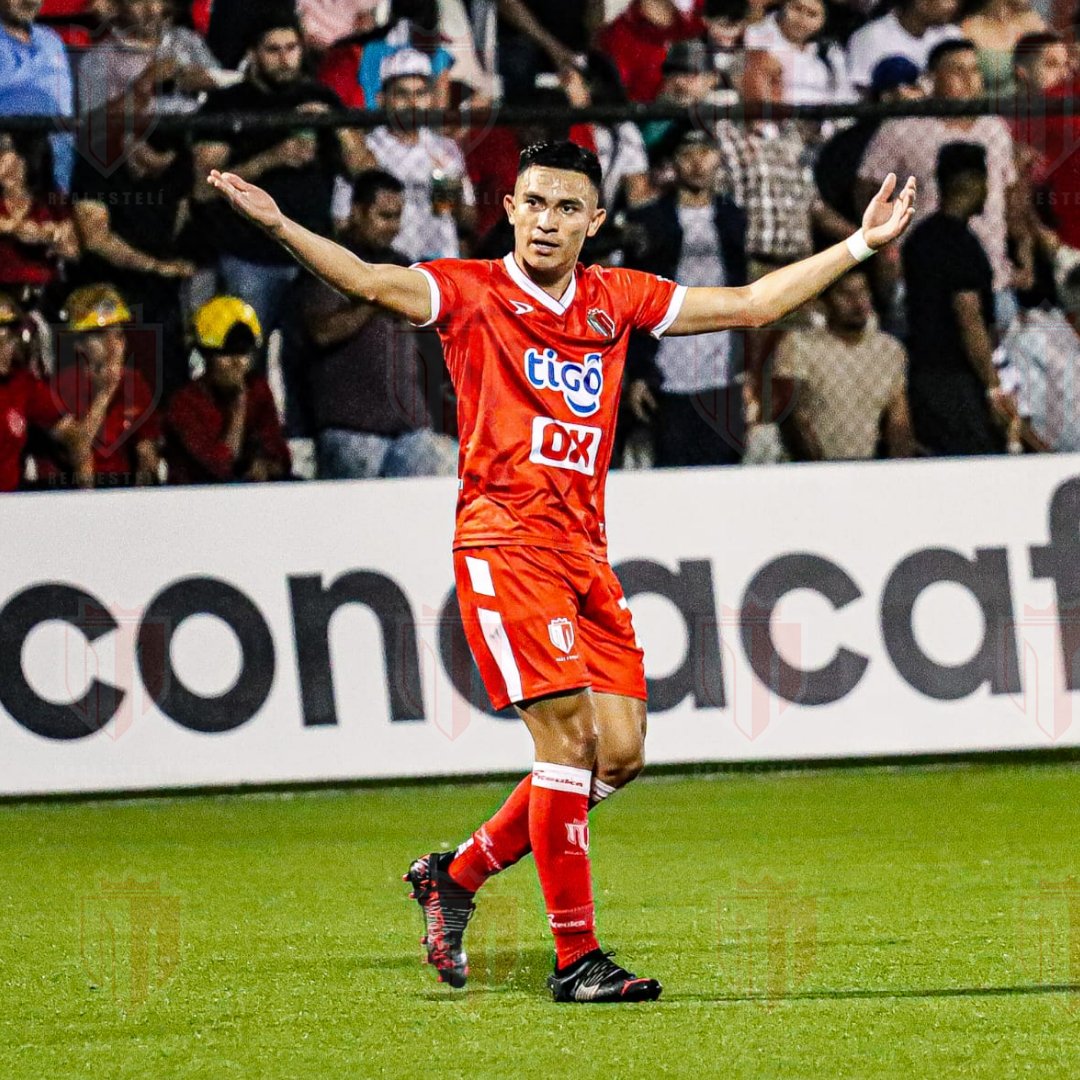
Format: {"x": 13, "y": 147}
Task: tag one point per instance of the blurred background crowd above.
{"x": 147, "y": 335}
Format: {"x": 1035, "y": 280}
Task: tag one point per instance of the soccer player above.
{"x": 535, "y": 344}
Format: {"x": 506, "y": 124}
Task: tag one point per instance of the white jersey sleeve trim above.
{"x": 672, "y": 313}
{"x": 436, "y": 298}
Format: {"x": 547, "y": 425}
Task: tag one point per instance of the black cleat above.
{"x": 595, "y": 977}
{"x": 447, "y": 909}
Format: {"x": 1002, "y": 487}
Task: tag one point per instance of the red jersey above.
{"x": 24, "y": 400}
{"x": 538, "y": 383}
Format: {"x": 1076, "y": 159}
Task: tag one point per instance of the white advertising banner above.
{"x": 308, "y": 632}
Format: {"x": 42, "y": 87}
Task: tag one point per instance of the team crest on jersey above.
{"x": 561, "y": 632}
{"x": 600, "y": 321}
{"x": 580, "y": 382}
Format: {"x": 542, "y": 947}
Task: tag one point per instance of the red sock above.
{"x": 559, "y": 832}
{"x": 497, "y": 844}
{"x": 504, "y": 839}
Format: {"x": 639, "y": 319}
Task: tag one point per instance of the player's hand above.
{"x": 249, "y": 200}
{"x": 886, "y": 218}
{"x": 641, "y": 401}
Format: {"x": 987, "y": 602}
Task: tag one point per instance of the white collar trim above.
{"x": 526, "y": 284}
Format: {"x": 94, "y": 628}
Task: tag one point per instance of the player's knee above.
{"x": 621, "y": 769}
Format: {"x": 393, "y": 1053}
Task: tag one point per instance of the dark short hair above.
{"x": 275, "y": 17}
{"x": 562, "y": 155}
{"x": 946, "y": 48}
{"x": 957, "y": 159}
{"x": 731, "y": 10}
{"x": 1030, "y": 46}
{"x": 370, "y": 182}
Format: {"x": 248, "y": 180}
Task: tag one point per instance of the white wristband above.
{"x": 859, "y": 248}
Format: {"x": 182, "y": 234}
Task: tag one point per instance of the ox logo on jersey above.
{"x": 561, "y": 632}
{"x": 565, "y": 446}
{"x": 601, "y": 322}
{"x": 580, "y": 384}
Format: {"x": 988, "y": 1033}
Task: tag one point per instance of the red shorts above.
{"x": 539, "y": 621}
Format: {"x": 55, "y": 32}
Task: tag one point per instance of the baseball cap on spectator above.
{"x": 686, "y": 58}
{"x": 227, "y": 324}
{"x": 403, "y": 63}
{"x": 694, "y": 136}
{"x": 96, "y": 307}
{"x": 891, "y": 72}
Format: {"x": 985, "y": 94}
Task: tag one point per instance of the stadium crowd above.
{"x": 149, "y": 335}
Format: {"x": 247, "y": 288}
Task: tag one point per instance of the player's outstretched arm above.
{"x": 775, "y": 295}
{"x": 396, "y": 288}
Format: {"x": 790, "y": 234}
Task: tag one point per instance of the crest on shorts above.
{"x": 561, "y": 632}
{"x": 601, "y": 322}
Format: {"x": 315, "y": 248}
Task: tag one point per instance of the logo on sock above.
{"x": 561, "y": 633}
{"x": 577, "y": 835}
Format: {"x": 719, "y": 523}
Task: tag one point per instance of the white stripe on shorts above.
{"x": 561, "y": 777}
{"x": 480, "y": 576}
{"x": 495, "y": 635}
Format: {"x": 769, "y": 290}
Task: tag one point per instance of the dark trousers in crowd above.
{"x": 703, "y": 428}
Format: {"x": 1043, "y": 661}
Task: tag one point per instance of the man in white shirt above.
{"x": 911, "y": 29}
{"x": 438, "y": 194}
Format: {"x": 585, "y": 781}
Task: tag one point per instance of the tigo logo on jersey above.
{"x": 565, "y": 446}
{"x": 580, "y": 384}
{"x": 561, "y": 632}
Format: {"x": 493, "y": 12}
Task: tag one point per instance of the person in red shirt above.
{"x": 28, "y": 402}
{"x": 638, "y": 40}
{"x": 536, "y": 345}
{"x": 224, "y": 426}
{"x": 124, "y": 436}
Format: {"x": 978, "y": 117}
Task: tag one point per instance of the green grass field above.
{"x": 858, "y": 923}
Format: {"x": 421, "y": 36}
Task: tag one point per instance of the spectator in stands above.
{"x": 850, "y": 391}
{"x": 638, "y": 40}
{"x": 815, "y": 69}
{"x": 995, "y": 26}
{"x": 439, "y": 197}
{"x": 1040, "y": 363}
{"x": 224, "y": 426}
{"x": 950, "y": 305}
{"x": 619, "y": 146}
{"x": 688, "y": 80}
{"x": 726, "y": 22}
{"x": 687, "y": 386}
{"x": 130, "y": 224}
{"x": 35, "y": 77}
{"x": 910, "y": 145}
{"x": 911, "y": 29}
{"x": 147, "y": 65}
{"x": 234, "y": 24}
{"x": 537, "y": 36}
{"x": 296, "y": 167}
{"x": 26, "y": 403}
{"x": 837, "y": 166}
{"x": 371, "y": 401}
{"x": 36, "y": 231}
{"x": 105, "y": 391}
{"x": 326, "y": 22}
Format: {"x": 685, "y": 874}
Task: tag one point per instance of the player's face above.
{"x": 553, "y": 212}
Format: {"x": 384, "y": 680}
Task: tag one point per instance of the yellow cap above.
{"x": 217, "y": 318}
{"x": 10, "y": 312}
{"x": 96, "y": 307}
